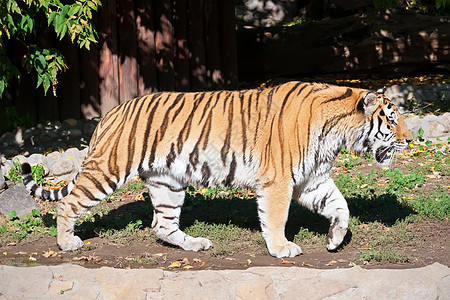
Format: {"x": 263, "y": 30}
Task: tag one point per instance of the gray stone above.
{"x": 62, "y": 167}
{"x": 17, "y": 199}
{"x": 11, "y": 151}
{"x": 443, "y": 290}
{"x": 53, "y": 157}
{"x": 72, "y": 133}
{"x": 7, "y": 139}
{"x": 437, "y": 129}
{"x": 71, "y": 122}
{"x": 89, "y": 128}
{"x": 2, "y": 180}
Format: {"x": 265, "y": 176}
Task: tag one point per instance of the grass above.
{"x": 382, "y": 203}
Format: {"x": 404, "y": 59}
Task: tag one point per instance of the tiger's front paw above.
{"x": 69, "y": 243}
{"x": 288, "y": 249}
{"x": 196, "y": 244}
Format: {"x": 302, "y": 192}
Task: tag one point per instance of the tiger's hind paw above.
{"x": 289, "y": 249}
{"x": 70, "y": 243}
{"x": 196, "y": 244}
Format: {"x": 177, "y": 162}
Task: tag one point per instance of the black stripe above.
{"x": 206, "y": 173}
{"x": 230, "y": 178}
{"x": 171, "y": 156}
{"x": 168, "y": 206}
{"x": 347, "y": 94}
{"x": 131, "y": 140}
{"x": 226, "y": 144}
{"x": 171, "y": 188}
{"x": 148, "y": 127}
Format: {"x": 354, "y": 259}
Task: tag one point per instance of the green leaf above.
{"x": 51, "y": 17}
{"x": 12, "y": 215}
{"x": 421, "y": 132}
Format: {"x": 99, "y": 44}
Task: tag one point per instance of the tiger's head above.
{"x": 387, "y": 131}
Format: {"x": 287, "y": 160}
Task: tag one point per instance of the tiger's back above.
{"x": 273, "y": 140}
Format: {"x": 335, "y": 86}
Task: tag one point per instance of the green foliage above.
{"x": 11, "y": 120}
{"x": 15, "y": 176}
{"x": 399, "y": 181}
{"x": 21, "y": 20}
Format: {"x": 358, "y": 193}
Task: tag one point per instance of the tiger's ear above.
{"x": 368, "y": 104}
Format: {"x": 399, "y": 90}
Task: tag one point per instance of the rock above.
{"x": 22, "y": 159}
{"x": 71, "y": 122}
{"x": 52, "y": 157}
{"x": 72, "y": 133}
{"x": 437, "y": 129}
{"x": 443, "y": 289}
{"x": 11, "y": 151}
{"x": 62, "y": 167}
{"x": 18, "y": 199}
{"x": 7, "y": 139}
{"x": 260, "y": 288}
{"x": 2, "y": 181}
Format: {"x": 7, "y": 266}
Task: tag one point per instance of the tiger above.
{"x": 280, "y": 141}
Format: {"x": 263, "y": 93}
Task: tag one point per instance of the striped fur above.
{"x": 280, "y": 141}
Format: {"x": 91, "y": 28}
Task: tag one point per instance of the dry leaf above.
{"x": 331, "y": 263}
{"x": 5, "y": 253}
{"x": 11, "y": 244}
{"x": 249, "y": 261}
{"x": 288, "y": 262}
{"x": 48, "y": 254}
{"x": 203, "y": 263}
{"x": 175, "y": 264}
{"x": 306, "y": 265}
{"x": 21, "y": 253}
{"x": 188, "y": 267}
{"x": 32, "y": 258}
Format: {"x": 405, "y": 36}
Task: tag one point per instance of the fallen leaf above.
{"x": 21, "y": 253}
{"x": 288, "y": 262}
{"x": 331, "y": 263}
{"x": 5, "y": 253}
{"x": 197, "y": 260}
{"x": 175, "y": 264}
{"x": 87, "y": 243}
{"x": 203, "y": 263}
{"x": 48, "y": 254}
{"x": 188, "y": 267}
{"x": 32, "y": 258}
{"x": 249, "y": 261}
{"x": 11, "y": 244}
{"x": 306, "y": 265}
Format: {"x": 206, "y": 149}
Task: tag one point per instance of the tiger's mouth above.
{"x": 383, "y": 153}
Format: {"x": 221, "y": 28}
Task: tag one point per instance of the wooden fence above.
{"x": 144, "y": 46}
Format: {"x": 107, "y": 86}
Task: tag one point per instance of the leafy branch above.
{"x": 19, "y": 22}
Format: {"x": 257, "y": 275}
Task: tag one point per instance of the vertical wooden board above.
{"x": 68, "y": 88}
{"x": 127, "y": 46}
{"x": 26, "y": 99}
{"x": 197, "y": 46}
{"x": 89, "y": 83}
{"x": 146, "y": 51}
{"x": 215, "y": 78}
{"x": 108, "y": 57}
{"x": 164, "y": 45}
{"x": 228, "y": 43}
{"x": 181, "y": 47}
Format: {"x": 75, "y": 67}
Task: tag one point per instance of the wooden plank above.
{"x": 146, "y": 52}
{"x": 181, "y": 47}
{"x": 89, "y": 83}
{"x": 215, "y": 78}
{"x": 68, "y": 87}
{"x": 127, "y": 46}
{"x": 197, "y": 46}
{"x": 164, "y": 45}
{"x": 108, "y": 60}
{"x": 228, "y": 43}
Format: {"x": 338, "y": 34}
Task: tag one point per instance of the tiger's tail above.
{"x": 36, "y": 191}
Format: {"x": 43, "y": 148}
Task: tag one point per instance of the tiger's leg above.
{"x": 167, "y": 196}
{"x": 84, "y": 195}
{"x": 323, "y": 197}
{"x": 273, "y": 209}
